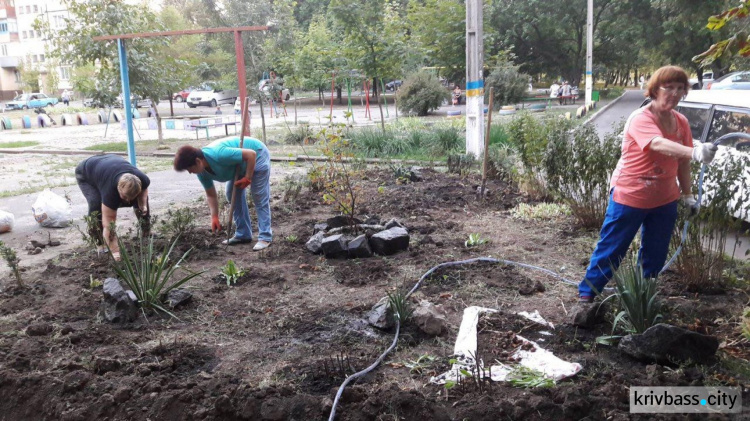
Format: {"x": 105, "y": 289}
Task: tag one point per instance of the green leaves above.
{"x": 232, "y": 272}
{"x": 147, "y": 274}
{"x": 637, "y": 301}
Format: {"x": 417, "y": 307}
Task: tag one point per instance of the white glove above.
{"x": 704, "y": 153}
{"x": 691, "y": 203}
{"x": 116, "y": 255}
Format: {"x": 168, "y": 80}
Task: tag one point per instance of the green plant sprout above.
{"x": 10, "y": 257}
{"x": 475, "y": 239}
{"x": 528, "y": 378}
{"x": 291, "y": 238}
{"x": 400, "y": 306}
{"x": 232, "y": 273}
{"x": 421, "y": 364}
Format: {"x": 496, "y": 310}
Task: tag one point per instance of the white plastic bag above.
{"x": 51, "y": 210}
{"x": 6, "y": 221}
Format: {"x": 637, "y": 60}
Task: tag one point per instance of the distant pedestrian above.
{"x": 642, "y": 81}
{"x": 218, "y": 111}
{"x": 66, "y": 98}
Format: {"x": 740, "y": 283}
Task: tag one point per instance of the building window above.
{"x": 17, "y": 74}
{"x": 20, "y": 10}
{"x": 65, "y": 73}
{"x": 41, "y": 58}
{"x": 34, "y": 59}
{"x": 23, "y": 34}
{"x": 36, "y": 9}
{"x": 3, "y": 27}
{"x": 59, "y": 21}
{"x": 4, "y": 50}
{"x": 28, "y": 9}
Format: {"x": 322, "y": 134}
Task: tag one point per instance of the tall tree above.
{"x": 439, "y": 29}
{"x": 738, "y": 45}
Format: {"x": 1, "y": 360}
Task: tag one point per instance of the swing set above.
{"x": 353, "y": 79}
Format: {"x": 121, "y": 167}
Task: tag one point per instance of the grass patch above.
{"x": 32, "y": 189}
{"x": 540, "y": 211}
{"x": 109, "y": 147}
{"x": 19, "y": 144}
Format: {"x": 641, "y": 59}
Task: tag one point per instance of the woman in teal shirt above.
{"x": 218, "y": 162}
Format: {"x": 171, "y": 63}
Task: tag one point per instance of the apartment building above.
{"x": 23, "y": 47}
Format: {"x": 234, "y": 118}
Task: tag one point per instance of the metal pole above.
{"x": 474, "y": 78}
{"x": 589, "y": 51}
{"x": 239, "y": 52}
{"x": 126, "y": 99}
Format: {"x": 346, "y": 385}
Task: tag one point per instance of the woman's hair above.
{"x": 185, "y": 157}
{"x": 664, "y": 75}
{"x": 129, "y": 186}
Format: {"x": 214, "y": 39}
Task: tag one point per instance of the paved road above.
{"x": 618, "y": 111}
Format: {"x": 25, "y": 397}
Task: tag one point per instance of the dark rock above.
{"x": 429, "y": 319}
{"x": 36, "y": 251}
{"x": 223, "y": 405}
{"x": 335, "y": 246}
{"x": 341, "y": 221}
{"x": 415, "y": 174}
{"x": 393, "y": 223}
{"x": 39, "y": 329}
{"x": 667, "y": 344}
{"x": 381, "y": 315}
{"x": 178, "y": 297}
{"x": 360, "y": 228}
{"x": 315, "y": 243}
{"x": 373, "y": 220}
{"x": 39, "y": 244}
{"x": 53, "y": 243}
{"x": 531, "y": 289}
{"x": 359, "y": 247}
{"x": 117, "y": 306}
{"x": 105, "y": 365}
{"x": 586, "y": 315}
{"x": 390, "y": 241}
{"x": 122, "y": 394}
{"x": 321, "y": 227}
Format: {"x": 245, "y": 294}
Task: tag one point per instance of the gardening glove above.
{"x": 215, "y": 224}
{"x": 689, "y": 201}
{"x": 704, "y": 153}
{"x": 242, "y": 183}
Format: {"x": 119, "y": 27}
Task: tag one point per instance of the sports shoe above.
{"x": 234, "y": 240}
{"x": 260, "y": 245}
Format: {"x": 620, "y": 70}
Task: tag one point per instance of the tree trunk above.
{"x": 262, "y": 117}
{"x": 338, "y": 95}
{"x": 382, "y": 120}
{"x": 171, "y": 107}
{"x": 375, "y": 88}
{"x": 159, "y": 131}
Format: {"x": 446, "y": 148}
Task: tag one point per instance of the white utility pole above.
{"x": 474, "y": 78}
{"x": 589, "y": 51}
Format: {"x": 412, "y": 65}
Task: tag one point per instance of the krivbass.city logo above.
{"x": 677, "y": 399}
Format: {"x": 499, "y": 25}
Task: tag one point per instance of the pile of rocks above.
{"x": 121, "y": 306}
{"x": 339, "y": 237}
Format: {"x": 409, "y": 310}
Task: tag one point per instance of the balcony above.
{"x": 9, "y": 62}
{"x": 7, "y": 11}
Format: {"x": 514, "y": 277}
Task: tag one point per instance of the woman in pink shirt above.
{"x": 653, "y": 174}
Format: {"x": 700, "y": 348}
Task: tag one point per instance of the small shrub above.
{"x": 528, "y": 137}
{"x": 400, "y": 306}
{"x": 510, "y": 85}
{"x": 232, "y": 273}
{"x": 502, "y": 163}
{"x": 341, "y": 172}
{"x": 401, "y": 173}
{"x": 460, "y": 164}
{"x": 10, "y": 257}
{"x": 291, "y": 238}
{"x": 147, "y": 274}
{"x": 93, "y": 235}
{"x": 178, "y": 223}
{"x": 578, "y": 169}
{"x": 445, "y": 140}
{"x": 300, "y": 135}
{"x": 370, "y": 142}
{"x": 316, "y": 178}
{"x": 746, "y": 323}
{"x": 421, "y": 93}
{"x": 291, "y": 186}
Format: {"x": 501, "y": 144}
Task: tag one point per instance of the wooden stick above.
{"x": 486, "y": 145}
{"x": 245, "y": 107}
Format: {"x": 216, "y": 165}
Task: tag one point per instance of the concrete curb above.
{"x": 603, "y": 109}
{"x": 298, "y": 158}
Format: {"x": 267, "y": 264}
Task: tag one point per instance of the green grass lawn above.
{"x": 18, "y": 144}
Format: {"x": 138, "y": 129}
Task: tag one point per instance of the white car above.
{"x": 713, "y": 114}
{"x": 696, "y": 85}
{"x": 210, "y": 96}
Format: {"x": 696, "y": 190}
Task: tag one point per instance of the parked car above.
{"x": 211, "y": 95}
{"x": 265, "y": 86}
{"x": 135, "y": 101}
{"x": 734, "y": 80}
{"x": 183, "y": 94}
{"x": 696, "y": 85}
{"x": 393, "y": 85}
{"x": 32, "y": 100}
{"x": 713, "y": 114}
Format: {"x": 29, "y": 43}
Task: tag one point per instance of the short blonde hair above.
{"x": 129, "y": 186}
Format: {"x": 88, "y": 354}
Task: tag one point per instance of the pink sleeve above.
{"x": 643, "y": 130}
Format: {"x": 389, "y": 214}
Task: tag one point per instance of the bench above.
{"x": 207, "y": 126}
{"x": 546, "y": 99}
{"x": 564, "y": 99}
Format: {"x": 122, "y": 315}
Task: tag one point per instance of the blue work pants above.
{"x": 260, "y": 189}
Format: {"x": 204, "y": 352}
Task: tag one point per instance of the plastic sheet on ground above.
{"x": 7, "y": 220}
{"x": 537, "y": 359}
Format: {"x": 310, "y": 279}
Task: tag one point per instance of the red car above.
{"x": 183, "y": 94}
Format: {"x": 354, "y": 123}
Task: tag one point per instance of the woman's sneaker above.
{"x": 260, "y": 245}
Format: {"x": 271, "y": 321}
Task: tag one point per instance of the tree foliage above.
{"x": 421, "y": 93}
{"x": 736, "y": 45}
